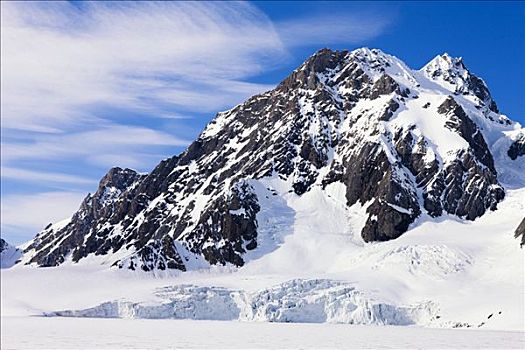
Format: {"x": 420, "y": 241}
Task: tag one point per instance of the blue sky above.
{"x": 87, "y": 86}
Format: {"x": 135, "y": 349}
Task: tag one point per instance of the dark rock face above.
{"x": 85, "y": 233}
{"x": 470, "y": 189}
{"x": 462, "y": 124}
{"x": 158, "y": 254}
{"x": 468, "y": 185}
{"x": 232, "y": 220}
{"x": 517, "y": 148}
{"x": 325, "y": 123}
{"x": 520, "y": 231}
{"x": 394, "y": 206}
{"x": 383, "y": 86}
{"x": 478, "y": 87}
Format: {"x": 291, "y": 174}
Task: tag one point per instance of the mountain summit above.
{"x": 360, "y": 127}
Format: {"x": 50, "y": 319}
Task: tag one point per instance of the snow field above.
{"x": 74, "y": 333}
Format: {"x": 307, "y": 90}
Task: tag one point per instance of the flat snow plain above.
{"x": 405, "y": 293}
{"x": 89, "y": 333}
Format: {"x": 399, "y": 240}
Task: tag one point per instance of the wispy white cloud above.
{"x": 59, "y": 59}
{"x": 29, "y": 213}
{"x": 332, "y": 28}
{"x": 38, "y": 176}
{"x": 124, "y": 145}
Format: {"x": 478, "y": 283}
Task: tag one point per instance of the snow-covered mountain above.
{"x": 9, "y": 254}
{"x": 358, "y": 132}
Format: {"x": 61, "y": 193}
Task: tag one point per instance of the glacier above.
{"x": 304, "y": 301}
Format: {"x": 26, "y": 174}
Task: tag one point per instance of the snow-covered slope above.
{"x": 390, "y": 145}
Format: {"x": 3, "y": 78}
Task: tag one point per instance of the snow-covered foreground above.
{"x": 443, "y": 273}
{"x": 83, "y": 333}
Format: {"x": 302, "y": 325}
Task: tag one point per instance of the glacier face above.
{"x": 299, "y": 300}
{"x": 400, "y": 143}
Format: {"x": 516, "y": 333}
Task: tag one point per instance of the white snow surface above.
{"x": 85, "y": 333}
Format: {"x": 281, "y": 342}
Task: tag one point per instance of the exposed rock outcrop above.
{"x": 517, "y": 148}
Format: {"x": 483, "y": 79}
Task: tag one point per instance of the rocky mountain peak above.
{"x": 119, "y": 178}
{"x": 113, "y": 184}
{"x": 444, "y": 63}
{"x": 374, "y": 58}
{"x": 355, "y": 69}
{"x": 452, "y": 73}
{"x": 305, "y": 76}
{"x": 323, "y": 60}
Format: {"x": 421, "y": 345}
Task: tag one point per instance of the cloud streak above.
{"x": 124, "y": 54}
{"x": 24, "y": 215}
{"x": 112, "y": 142}
{"x": 330, "y": 29}
{"x": 44, "y": 176}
